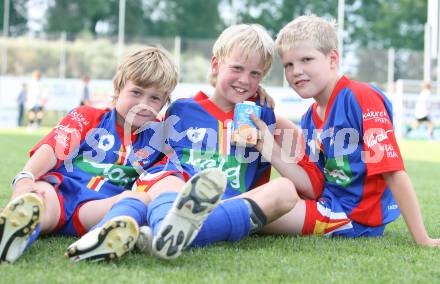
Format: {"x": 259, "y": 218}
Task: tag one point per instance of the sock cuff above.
{"x": 163, "y": 199}
{"x": 135, "y": 204}
{"x": 257, "y": 217}
{"x": 130, "y": 200}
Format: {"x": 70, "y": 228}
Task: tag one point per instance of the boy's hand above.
{"x": 23, "y": 186}
{"x": 265, "y": 141}
{"x": 264, "y": 97}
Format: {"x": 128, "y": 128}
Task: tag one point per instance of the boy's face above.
{"x": 310, "y": 72}
{"x": 238, "y": 77}
{"x": 138, "y": 105}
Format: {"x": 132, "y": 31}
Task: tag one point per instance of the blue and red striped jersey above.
{"x": 349, "y": 149}
{"x": 92, "y": 149}
{"x": 200, "y": 135}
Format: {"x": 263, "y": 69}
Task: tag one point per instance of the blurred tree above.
{"x": 186, "y": 18}
{"x": 197, "y": 18}
{"x": 17, "y": 16}
{"x": 387, "y": 23}
{"x": 75, "y": 16}
{"x": 94, "y": 17}
{"x": 372, "y": 23}
{"x": 274, "y": 14}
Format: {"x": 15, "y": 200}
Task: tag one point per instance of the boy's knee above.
{"x": 142, "y": 196}
{"x": 287, "y": 196}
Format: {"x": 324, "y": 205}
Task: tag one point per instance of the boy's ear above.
{"x": 115, "y": 98}
{"x": 334, "y": 58}
{"x": 214, "y": 65}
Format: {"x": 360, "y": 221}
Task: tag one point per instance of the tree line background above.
{"x": 369, "y": 25}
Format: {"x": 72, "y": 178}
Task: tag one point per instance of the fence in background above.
{"x": 57, "y": 57}
{"x": 62, "y": 62}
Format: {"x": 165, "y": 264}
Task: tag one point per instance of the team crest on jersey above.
{"x": 106, "y": 142}
{"x": 196, "y": 135}
{"x": 338, "y": 171}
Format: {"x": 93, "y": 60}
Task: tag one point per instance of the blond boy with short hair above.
{"x": 242, "y": 56}
{"x": 352, "y": 174}
{"x": 87, "y": 165}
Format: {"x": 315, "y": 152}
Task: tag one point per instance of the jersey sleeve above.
{"x": 70, "y": 132}
{"x": 374, "y": 115}
{"x": 312, "y": 170}
{"x": 315, "y": 175}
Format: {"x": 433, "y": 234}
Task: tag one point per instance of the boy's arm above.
{"x": 289, "y": 137}
{"x": 402, "y": 189}
{"x": 293, "y": 172}
{"x": 68, "y": 134}
{"x": 281, "y": 159}
{"x": 264, "y": 97}
{"x": 57, "y": 145}
{"x": 39, "y": 163}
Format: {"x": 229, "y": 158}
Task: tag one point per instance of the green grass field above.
{"x": 393, "y": 258}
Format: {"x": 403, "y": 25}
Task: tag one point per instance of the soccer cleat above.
{"x": 197, "y": 199}
{"x": 110, "y": 241}
{"x": 18, "y": 221}
{"x": 144, "y": 242}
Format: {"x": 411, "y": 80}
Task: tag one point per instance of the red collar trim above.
{"x": 120, "y": 131}
{"x": 200, "y": 96}
{"x": 342, "y": 83}
{"x": 212, "y": 108}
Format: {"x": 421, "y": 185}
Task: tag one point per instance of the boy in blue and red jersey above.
{"x": 81, "y": 173}
{"x": 351, "y": 176}
{"x": 200, "y": 137}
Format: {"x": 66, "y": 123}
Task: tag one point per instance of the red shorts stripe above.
{"x": 309, "y": 220}
{"x": 79, "y": 228}
{"x": 318, "y": 224}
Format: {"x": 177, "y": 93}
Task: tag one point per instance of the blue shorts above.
{"x": 72, "y": 194}
{"x": 326, "y": 217}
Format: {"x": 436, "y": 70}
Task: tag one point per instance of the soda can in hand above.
{"x": 244, "y": 132}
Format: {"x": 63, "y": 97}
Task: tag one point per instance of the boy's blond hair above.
{"x": 147, "y": 67}
{"x": 250, "y": 39}
{"x": 320, "y": 32}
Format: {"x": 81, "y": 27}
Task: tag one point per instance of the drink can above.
{"x": 245, "y": 132}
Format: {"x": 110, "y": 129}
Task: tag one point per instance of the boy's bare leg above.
{"x": 24, "y": 216}
{"x": 431, "y": 129}
{"x": 274, "y": 198}
{"x": 167, "y": 184}
{"x": 93, "y": 211}
{"x": 51, "y": 206}
{"x": 290, "y": 223}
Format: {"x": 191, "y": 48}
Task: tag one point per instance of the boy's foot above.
{"x": 18, "y": 221}
{"x": 110, "y": 241}
{"x": 198, "y": 198}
